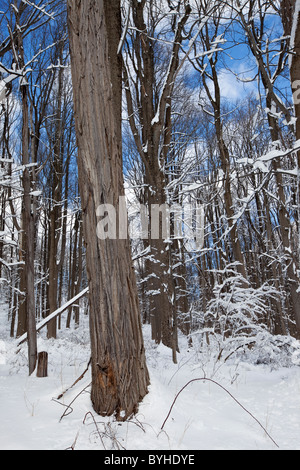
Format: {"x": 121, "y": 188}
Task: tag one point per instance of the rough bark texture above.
{"x": 295, "y": 74}
{"x": 119, "y": 372}
{"x": 295, "y": 77}
{"x": 290, "y": 15}
{"x": 42, "y": 366}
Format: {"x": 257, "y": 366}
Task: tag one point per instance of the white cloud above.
{"x": 231, "y": 87}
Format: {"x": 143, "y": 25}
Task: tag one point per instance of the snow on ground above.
{"x": 248, "y": 407}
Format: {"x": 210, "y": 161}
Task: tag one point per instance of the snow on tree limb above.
{"x": 53, "y": 315}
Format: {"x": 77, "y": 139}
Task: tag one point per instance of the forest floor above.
{"x": 243, "y": 405}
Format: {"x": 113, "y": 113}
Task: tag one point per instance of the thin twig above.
{"x": 72, "y": 447}
{"x": 69, "y": 406}
{"x": 96, "y": 425}
{"x": 223, "y": 388}
{"x": 107, "y": 433}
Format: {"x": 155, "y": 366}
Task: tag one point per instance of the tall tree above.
{"x": 56, "y": 209}
{"x": 270, "y": 68}
{"x": 119, "y": 371}
{"x": 209, "y": 40}
{"x": 149, "y": 105}
{"x": 28, "y": 230}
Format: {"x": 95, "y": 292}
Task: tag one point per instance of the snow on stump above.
{"x": 42, "y": 367}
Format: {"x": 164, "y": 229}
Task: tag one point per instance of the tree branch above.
{"x": 223, "y": 388}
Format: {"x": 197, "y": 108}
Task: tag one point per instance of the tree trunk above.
{"x": 56, "y": 209}
{"x": 42, "y": 367}
{"x": 28, "y": 235}
{"x": 73, "y": 267}
{"x": 272, "y": 101}
{"x": 295, "y": 77}
{"x": 292, "y": 279}
{"x": 119, "y": 371}
{"x": 226, "y": 168}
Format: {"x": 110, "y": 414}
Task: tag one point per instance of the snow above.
{"x": 242, "y": 405}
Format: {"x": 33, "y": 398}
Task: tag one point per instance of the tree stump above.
{"x": 42, "y": 367}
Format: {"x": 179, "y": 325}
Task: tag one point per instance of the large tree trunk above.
{"x": 119, "y": 372}
{"x": 295, "y": 79}
{"x": 290, "y": 16}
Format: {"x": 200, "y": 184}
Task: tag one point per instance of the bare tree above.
{"x": 149, "y": 106}
{"x": 28, "y": 230}
{"x": 253, "y": 16}
{"x": 210, "y": 38}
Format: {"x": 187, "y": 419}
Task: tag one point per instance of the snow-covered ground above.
{"x": 245, "y": 406}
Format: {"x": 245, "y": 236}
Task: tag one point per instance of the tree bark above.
{"x": 119, "y": 372}
{"x": 295, "y": 77}
{"x": 28, "y": 235}
{"x": 294, "y": 11}
{"x": 56, "y": 209}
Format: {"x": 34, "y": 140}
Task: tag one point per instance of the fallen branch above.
{"x": 223, "y": 388}
{"x": 76, "y": 381}
{"x": 57, "y": 312}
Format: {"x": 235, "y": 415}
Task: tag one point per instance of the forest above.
{"x": 150, "y": 204}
